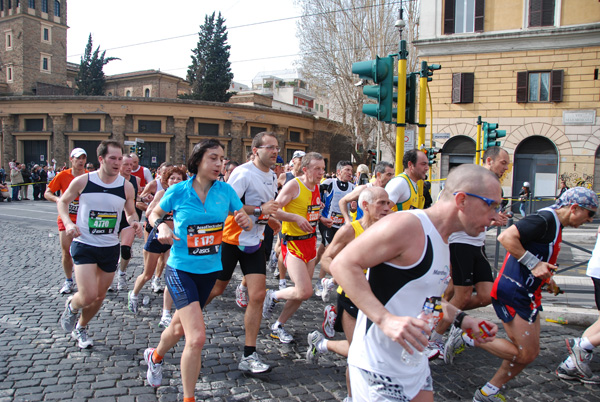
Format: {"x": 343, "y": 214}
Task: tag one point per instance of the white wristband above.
{"x": 529, "y": 260}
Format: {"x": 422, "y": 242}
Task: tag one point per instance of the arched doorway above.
{"x": 457, "y": 150}
{"x": 536, "y": 161}
{"x": 596, "y": 183}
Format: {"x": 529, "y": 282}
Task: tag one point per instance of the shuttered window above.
{"x": 540, "y": 86}
{"x": 541, "y": 13}
{"x": 463, "y": 85}
{"x": 463, "y": 16}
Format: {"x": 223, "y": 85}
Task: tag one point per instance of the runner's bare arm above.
{"x": 157, "y": 197}
{"x": 341, "y": 239}
{"x": 130, "y": 213}
{"x": 290, "y": 191}
{"x": 348, "y": 198}
{"x": 165, "y": 234}
{"x": 62, "y": 204}
{"x": 511, "y": 241}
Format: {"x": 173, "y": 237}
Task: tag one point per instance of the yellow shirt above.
{"x": 413, "y": 200}
{"x": 358, "y": 230}
{"x": 306, "y": 204}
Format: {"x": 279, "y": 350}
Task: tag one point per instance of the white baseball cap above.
{"x": 77, "y": 152}
{"x": 299, "y": 154}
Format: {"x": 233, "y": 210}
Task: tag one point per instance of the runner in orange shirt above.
{"x": 60, "y": 183}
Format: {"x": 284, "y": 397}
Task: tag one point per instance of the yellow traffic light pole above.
{"x": 478, "y": 145}
{"x": 401, "y": 106}
{"x": 422, "y": 121}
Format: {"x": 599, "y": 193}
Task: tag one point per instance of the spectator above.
{"x": 35, "y": 179}
{"x": 2, "y": 174}
{"x": 4, "y": 193}
{"x": 26, "y": 174}
{"x": 524, "y": 197}
{"x": 43, "y": 180}
{"x": 51, "y": 172}
{"x": 562, "y": 189}
{"x": 16, "y": 179}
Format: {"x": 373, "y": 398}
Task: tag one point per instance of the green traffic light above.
{"x": 380, "y": 71}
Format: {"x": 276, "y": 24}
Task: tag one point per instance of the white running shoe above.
{"x": 156, "y": 285}
{"x": 269, "y": 304}
{"x": 165, "y": 321}
{"x": 241, "y": 296}
{"x": 154, "y": 373}
{"x": 318, "y": 288}
{"x": 330, "y": 315}
{"x": 81, "y": 336}
{"x": 253, "y": 364}
{"x": 67, "y": 287}
{"x": 121, "y": 281}
{"x": 281, "y": 334}
{"x": 68, "y": 318}
{"x": 454, "y": 345}
{"x": 312, "y": 354}
{"x": 132, "y": 302}
{"x": 328, "y": 285}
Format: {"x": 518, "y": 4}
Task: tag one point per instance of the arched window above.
{"x": 147, "y": 93}
{"x": 128, "y": 93}
{"x": 56, "y": 8}
{"x": 110, "y": 94}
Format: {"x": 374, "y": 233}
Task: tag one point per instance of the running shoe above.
{"x": 276, "y": 272}
{"x": 241, "y": 296}
{"x": 156, "y": 285}
{"x": 113, "y": 284}
{"x": 318, "y": 288}
{"x": 454, "y": 345}
{"x": 132, "y": 302}
{"x": 281, "y": 334}
{"x": 273, "y": 261}
{"x": 435, "y": 349}
{"x": 121, "y": 282}
{"x": 165, "y": 321}
{"x": 479, "y": 397}
{"x": 68, "y": 319}
{"x": 67, "y": 287}
{"x": 253, "y": 364}
{"x": 580, "y": 356}
{"x": 328, "y": 285}
{"x": 282, "y": 284}
{"x": 81, "y": 336}
{"x": 269, "y": 304}
{"x": 565, "y": 373}
{"x": 154, "y": 373}
{"x": 312, "y": 354}
{"x": 330, "y": 314}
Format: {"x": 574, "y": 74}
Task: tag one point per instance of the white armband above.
{"x": 529, "y": 260}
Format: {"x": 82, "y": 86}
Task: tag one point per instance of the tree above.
{"x": 333, "y": 34}
{"x": 90, "y": 78}
{"x": 210, "y": 73}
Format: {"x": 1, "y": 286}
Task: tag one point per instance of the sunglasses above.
{"x": 590, "y": 212}
{"x": 495, "y": 205}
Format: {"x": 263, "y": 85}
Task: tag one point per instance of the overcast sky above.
{"x": 114, "y": 24}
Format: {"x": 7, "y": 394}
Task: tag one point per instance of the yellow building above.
{"x": 529, "y": 65}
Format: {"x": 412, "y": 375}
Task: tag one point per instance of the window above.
{"x": 56, "y": 8}
{"x": 256, "y": 130}
{"x": 89, "y": 125}
{"x": 208, "y": 129}
{"x": 44, "y": 6}
{"x": 46, "y": 34}
{"x": 110, "y": 94}
{"x": 128, "y": 93}
{"x": 9, "y": 4}
{"x": 321, "y": 108}
{"x": 147, "y": 93}
{"x": 294, "y": 136}
{"x": 463, "y": 16}
{"x": 540, "y": 86}
{"x": 8, "y": 36}
{"x": 541, "y": 13}
{"x": 9, "y": 74}
{"x": 1, "y": 5}
{"x": 46, "y": 63}
{"x": 31, "y": 3}
{"x": 34, "y": 124}
{"x": 463, "y": 85}
{"x": 149, "y": 126}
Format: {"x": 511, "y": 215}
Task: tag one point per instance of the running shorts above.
{"x": 186, "y": 288}
{"x": 107, "y": 258}
{"x": 154, "y": 246}
{"x": 344, "y": 304}
{"x": 251, "y": 263}
{"x": 305, "y": 250}
{"x": 469, "y": 264}
{"x": 370, "y": 386}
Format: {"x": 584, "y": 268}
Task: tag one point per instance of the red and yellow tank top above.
{"x": 306, "y": 204}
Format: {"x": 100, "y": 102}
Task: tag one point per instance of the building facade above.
{"x": 529, "y": 65}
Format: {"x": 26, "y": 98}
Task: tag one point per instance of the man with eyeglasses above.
{"x": 469, "y": 269}
{"x": 255, "y": 184}
{"x": 532, "y": 246}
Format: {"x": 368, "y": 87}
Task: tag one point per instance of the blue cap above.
{"x": 279, "y": 161}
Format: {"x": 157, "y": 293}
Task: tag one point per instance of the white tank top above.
{"x": 403, "y": 290}
{"x": 100, "y": 208}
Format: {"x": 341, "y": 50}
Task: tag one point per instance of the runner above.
{"x": 332, "y": 191}
{"x": 383, "y": 173}
{"x": 255, "y": 184}
{"x": 61, "y": 182}
{"x": 577, "y": 365}
{"x": 404, "y": 272}
{"x": 103, "y": 195}
{"x": 301, "y": 203}
{"x": 469, "y": 266}
{"x": 154, "y": 250}
{"x": 403, "y": 189}
{"x": 532, "y": 246}
{"x": 142, "y": 172}
{"x": 200, "y": 207}
{"x": 376, "y": 204}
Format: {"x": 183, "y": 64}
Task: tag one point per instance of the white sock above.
{"x": 122, "y": 273}
{"x": 282, "y": 282}
{"x": 586, "y": 344}
{"x": 243, "y": 288}
{"x": 276, "y": 325}
{"x": 489, "y": 389}
{"x": 322, "y": 346}
{"x": 78, "y": 326}
{"x": 435, "y": 336}
{"x": 166, "y": 313}
{"x": 569, "y": 363}
{"x": 134, "y": 296}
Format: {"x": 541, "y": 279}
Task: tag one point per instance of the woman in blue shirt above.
{"x": 200, "y": 206}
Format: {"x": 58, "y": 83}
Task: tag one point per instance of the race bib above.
{"x": 73, "y": 207}
{"x": 168, "y": 217}
{"x": 101, "y": 222}
{"x": 338, "y": 218}
{"x": 204, "y": 239}
{"x": 262, "y": 219}
{"x": 313, "y": 214}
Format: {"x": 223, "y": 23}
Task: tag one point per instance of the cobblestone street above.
{"x": 41, "y": 362}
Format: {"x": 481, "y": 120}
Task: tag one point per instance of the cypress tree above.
{"x": 90, "y": 78}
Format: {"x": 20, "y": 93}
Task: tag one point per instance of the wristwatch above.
{"x": 257, "y": 211}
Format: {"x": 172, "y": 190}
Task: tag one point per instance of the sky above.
{"x": 115, "y": 24}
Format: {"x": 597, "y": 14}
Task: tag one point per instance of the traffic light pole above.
{"x": 401, "y": 106}
{"x": 478, "y": 143}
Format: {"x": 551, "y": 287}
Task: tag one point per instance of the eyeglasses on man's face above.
{"x": 270, "y": 148}
{"x": 495, "y": 205}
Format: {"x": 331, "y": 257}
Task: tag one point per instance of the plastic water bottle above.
{"x": 432, "y": 314}
{"x": 146, "y": 300}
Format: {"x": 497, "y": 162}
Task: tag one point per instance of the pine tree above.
{"x": 90, "y": 78}
{"x": 210, "y": 72}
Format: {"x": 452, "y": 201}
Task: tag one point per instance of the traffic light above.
{"x": 132, "y": 149}
{"x": 427, "y": 70}
{"x": 140, "y": 152}
{"x": 491, "y": 135}
{"x": 411, "y": 98}
{"x": 380, "y": 71}
{"x": 431, "y": 155}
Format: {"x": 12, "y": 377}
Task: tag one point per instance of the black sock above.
{"x": 248, "y": 350}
